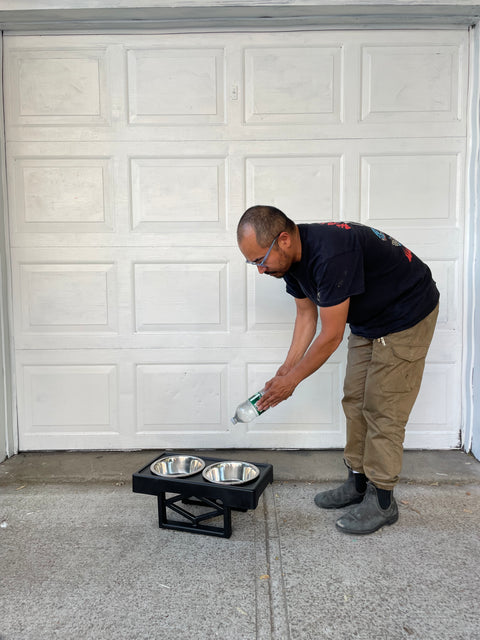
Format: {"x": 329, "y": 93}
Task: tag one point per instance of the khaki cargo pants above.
{"x": 381, "y": 385}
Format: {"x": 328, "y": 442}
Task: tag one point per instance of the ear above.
{"x": 284, "y": 240}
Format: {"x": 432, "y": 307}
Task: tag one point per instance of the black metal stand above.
{"x": 195, "y": 522}
{"x": 220, "y": 500}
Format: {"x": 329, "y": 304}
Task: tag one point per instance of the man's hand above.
{"x": 277, "y": 389}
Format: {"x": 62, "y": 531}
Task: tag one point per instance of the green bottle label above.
{"x": 253, "y": 401}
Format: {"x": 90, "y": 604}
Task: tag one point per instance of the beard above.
{"x": 284, "y": 265}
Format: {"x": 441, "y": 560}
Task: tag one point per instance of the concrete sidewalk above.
{"x": 82, "y": 557}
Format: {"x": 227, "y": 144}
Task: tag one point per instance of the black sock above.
{"x": 360, "y": 482}
{"x": 384, "y": 498}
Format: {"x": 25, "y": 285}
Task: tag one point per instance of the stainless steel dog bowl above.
{"x": 231, "y": 472}
{"x": 177, "y": 466}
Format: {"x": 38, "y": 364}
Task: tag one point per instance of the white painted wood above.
{"x": 175, "y": 85}
{"x": 117, "y": 80}
{"x": 55, "y": 194}
{"x": 70, "y": 398}
{"x": 131, "y": 158}
{"x": 8, "y": 421}
{"x": 471, "y": 328}
{"x": 289, "y": 85}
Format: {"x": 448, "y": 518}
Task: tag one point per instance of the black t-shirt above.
{"x": 390, "y": 289}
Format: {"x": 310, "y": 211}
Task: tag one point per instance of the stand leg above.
{"x": 194, "y": 523}
{"x": 162, "y": 509}
{"x": 227, "y": 521}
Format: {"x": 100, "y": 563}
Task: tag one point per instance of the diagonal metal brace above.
{"x": 195, "y": 519}
{"x": 195, "y": 522}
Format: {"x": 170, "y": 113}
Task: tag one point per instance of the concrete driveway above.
{"x": 82, "y": 557}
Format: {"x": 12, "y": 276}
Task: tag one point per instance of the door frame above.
{"x": 8, "y": 421}
{"x": 471, "y": 341}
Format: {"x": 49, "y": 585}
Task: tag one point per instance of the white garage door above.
{"x": 131, "y": 158}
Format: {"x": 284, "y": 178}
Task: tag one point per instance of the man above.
{"x": 351, "y": 273}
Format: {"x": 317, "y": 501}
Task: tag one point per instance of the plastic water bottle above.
{"x": 247, "y": 411}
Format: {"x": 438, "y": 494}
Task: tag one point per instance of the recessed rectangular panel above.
{"x": 63, "y": 195}
{"x": 293, "y": 85}
{"x": 68, "y": 298}
{"x": 445, "y": 274}
{"x": 268, "y": 303}
{"x": 57, "y": 87}
{"x": 309, "y": 186}
{"x": 181, "y": 193}
{"x": 409, "y": 187}
{"x": 410, "y": 83}
{"x": 176, "y": 86}
{"x": 314, "y": 406}
{"x": 180, "y": 297}
{"x": 436, "y": 399}
{"x": 178, "y": 397}
{"x": 69, "y": 398}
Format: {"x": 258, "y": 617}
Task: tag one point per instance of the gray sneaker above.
{"x": 368, "y": 516}
{"x": 342, "y": 496}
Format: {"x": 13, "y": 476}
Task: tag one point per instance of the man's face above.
{"x": 279, "y": 259}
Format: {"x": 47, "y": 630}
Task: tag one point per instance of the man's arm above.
{"x": 281, "y": 387}
{"x": 303, "y": 333}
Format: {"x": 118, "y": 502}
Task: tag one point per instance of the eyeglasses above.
{"x": 261, "y": 263}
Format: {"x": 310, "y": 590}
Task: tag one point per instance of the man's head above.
{"x": 268, "y": 239}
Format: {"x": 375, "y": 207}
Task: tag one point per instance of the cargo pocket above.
{"x": 406, "y": 368}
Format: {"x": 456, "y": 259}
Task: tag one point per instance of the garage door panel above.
{"x": 62, "y": 195}
{"x": 437, "y": 409}
{"x": 293, "y": 85}
{"x": 237, "y": 86}
{"x": 184, "y": 193}
{"x": 445, "y": 274}
{"x": 119, "y": 194}
{"x": 63, "y": 86}
{"x": 412, "y": 83}
{"x": 66, "y": 298}
{"x": 61, "y": 399}
{"x": 181, "y": 297}
{"x": 310, "y": 417}
{"x": 420, "y": 188}
{"x": 181, "y": 398}
{"x": 311, "y": 185}
{"x": 176, "y": 86}
{"x": 129, "y": 297}
{"x": 268, "y": 308}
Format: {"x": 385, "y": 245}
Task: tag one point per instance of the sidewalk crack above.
{"x": 280, "y": 629}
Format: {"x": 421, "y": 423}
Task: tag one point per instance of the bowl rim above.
{"x": 177, "y": 475}
{"x": 232, "y": 482}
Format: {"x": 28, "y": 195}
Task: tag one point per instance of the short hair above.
{"x": 266, "y": 221}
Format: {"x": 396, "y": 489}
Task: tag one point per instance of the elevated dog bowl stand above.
{"x": 195, "y": 490}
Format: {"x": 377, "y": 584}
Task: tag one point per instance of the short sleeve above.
{"x": 293, "y": 288}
